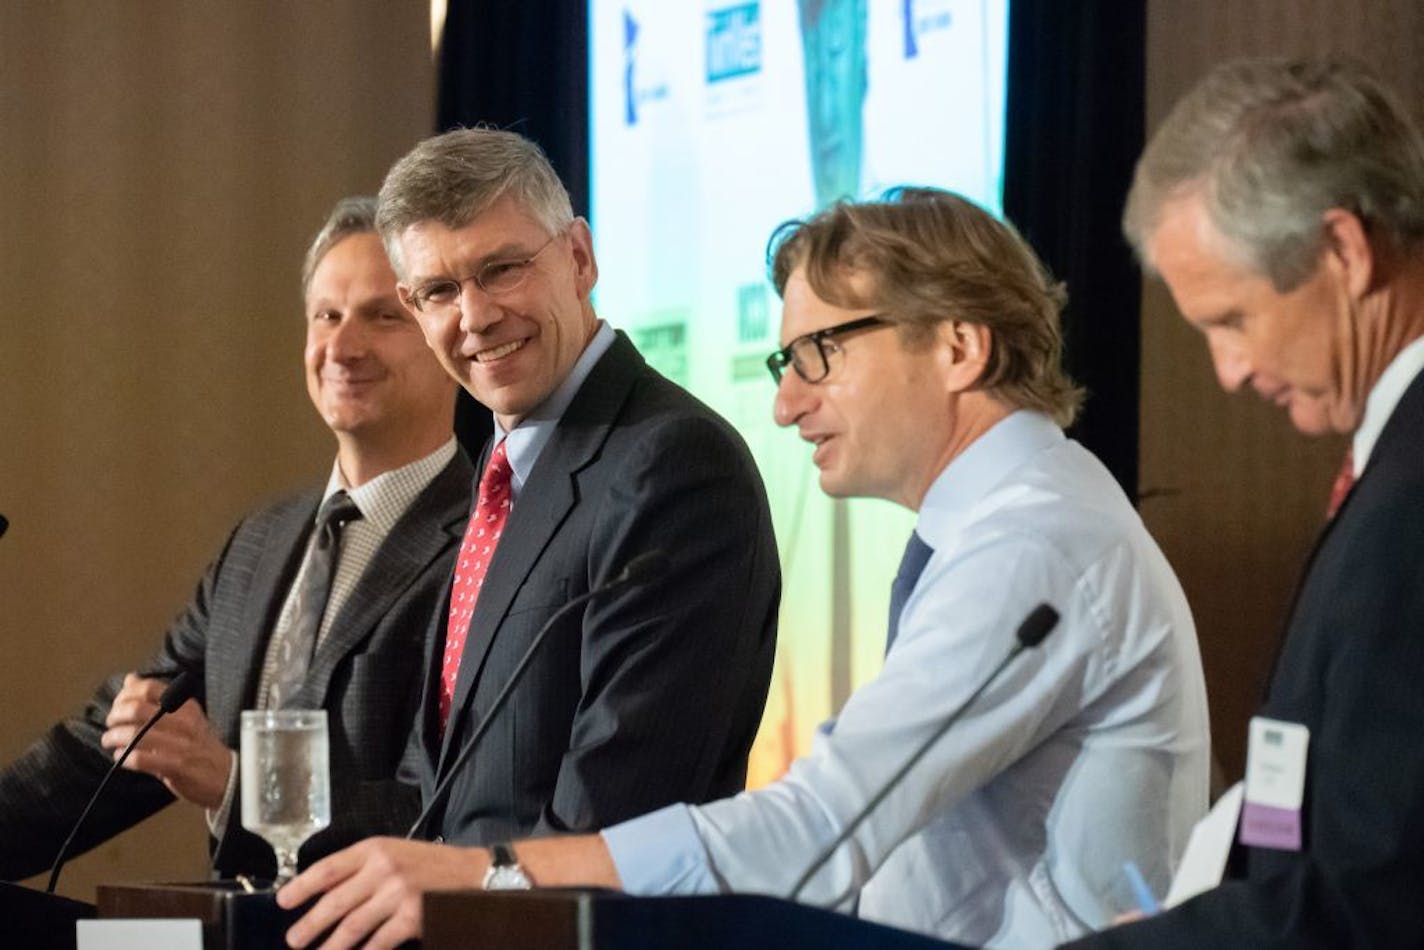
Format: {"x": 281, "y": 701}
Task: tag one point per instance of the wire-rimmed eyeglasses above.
{"x": 494, "y": 277}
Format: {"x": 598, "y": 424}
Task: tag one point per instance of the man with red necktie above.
{"x": 645, "y": 695}
{"x": 1283, "y": 205}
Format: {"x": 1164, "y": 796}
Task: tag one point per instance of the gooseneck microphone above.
{"x": 178, "y": 692}
{"x": 639, "y": 570}
{"x": 1038, "y": 624}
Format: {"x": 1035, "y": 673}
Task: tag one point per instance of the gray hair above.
{"x": 454, "y": 177}
{"x": 1270, "y": 146}
{"x": 354, "y": 215}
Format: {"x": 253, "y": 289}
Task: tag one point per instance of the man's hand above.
{"x": 181, "y": 750}
{"x": 375, "y": 888}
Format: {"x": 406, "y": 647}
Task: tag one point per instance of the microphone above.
{"x": 4, "y": 524}
{"x": 1038, "y": 624}
{"x": 640, "y": 570}
{"x": 178, "y": 692}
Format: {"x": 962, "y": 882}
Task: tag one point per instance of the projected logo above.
{"x": 926, "y": 16}
{"x": 636, "y": 94}
{"x": 733, "y": 42}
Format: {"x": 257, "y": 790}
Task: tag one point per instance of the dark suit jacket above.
{"x": 366, "y": 674}
{"x": 1352, "y": 670}
{"x": 641, "y": 698}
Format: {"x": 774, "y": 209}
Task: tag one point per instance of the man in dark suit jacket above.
{"x": 642, "y": 697}
{"x": 645, "y": 696}
{"x": 390, "y": 406}
{"x": 1283, "y": 204}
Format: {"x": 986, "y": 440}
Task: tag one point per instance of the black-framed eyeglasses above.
{"x": 809, "y": 354}
{"x": 494, "y": 278}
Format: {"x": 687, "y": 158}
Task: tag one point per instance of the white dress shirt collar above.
{"x": 977, "y": 470}
{"x": 385, "y": 498}
{"x": 1388, "y": 390}
{"x": 526, "y": 440}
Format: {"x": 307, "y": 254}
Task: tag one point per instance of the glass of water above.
{"x": 286, "y": 786}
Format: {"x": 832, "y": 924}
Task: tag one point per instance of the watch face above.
{"x": 506, "y": 878}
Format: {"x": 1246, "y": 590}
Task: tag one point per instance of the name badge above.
{"x": 1275, "y": 784}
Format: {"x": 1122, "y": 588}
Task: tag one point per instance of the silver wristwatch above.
{"x": 505, "y": 872}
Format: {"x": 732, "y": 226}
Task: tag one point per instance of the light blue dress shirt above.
{"x": 526, "y": 440}
{"x": 1090, "y": 751}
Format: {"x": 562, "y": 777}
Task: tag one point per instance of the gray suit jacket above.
{"x": 365, "y": 674}
{"x": 641, "y": 698}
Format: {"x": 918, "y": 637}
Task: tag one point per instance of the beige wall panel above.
{"x": 163, "y": 164}
{"x": 1235, "y": 496}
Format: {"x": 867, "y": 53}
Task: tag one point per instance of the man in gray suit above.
{"x": 265, "y": 627}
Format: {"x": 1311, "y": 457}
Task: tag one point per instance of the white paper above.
{"x": 1275, "y": 763}
{"x": 137, "y": 934}
{"x": 1204, "y": 861}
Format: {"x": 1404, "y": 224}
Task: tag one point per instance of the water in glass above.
{"x": 286, "y": 790}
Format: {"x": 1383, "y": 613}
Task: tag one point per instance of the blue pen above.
{"x": 1146, "y": 902}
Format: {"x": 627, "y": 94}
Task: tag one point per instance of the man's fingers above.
{"x": 339, "y": 901}
{"x": 155, "y": 762}
{"x": 378, "y": 901}
{"x": 136, "y": 701}
{"x": 372, "y": 891}
{"x": 321, "y": 876}
{"x": 404, "y": 925}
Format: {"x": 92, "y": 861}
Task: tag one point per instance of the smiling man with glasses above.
{"x": 924, "y": 342}
{"x": 647, "y": 695}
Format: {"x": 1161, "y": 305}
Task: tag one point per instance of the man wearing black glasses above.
{"x": 922, "y": 363}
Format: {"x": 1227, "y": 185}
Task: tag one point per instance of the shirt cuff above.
{"x": 217, "y": 817}
{"x": 660, "y": 853}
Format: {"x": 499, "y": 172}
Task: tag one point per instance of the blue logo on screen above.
{"x": 630, "y": 56}
{"x": 733, "y": 42}
{"x": 918, "y": 24}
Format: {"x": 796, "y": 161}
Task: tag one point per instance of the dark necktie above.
{"x": 912, "y": 565}
{"x": 294, "y": 654}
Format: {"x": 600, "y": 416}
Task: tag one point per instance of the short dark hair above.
{"x": 354, "y": 215}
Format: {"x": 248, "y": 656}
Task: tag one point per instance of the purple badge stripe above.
{"x": 1265, "y": 827}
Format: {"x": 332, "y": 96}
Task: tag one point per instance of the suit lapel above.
{"x": 277, "y": 562}
{"x": 544, "y": 503}
{"x": 1400, "y": 430}
{"x": 427, "y": 529}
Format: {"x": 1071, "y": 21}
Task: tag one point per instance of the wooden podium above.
{"x": 574, "y": 919}
{"x": 231, "y": 917}
{"x": 606, "y": 920}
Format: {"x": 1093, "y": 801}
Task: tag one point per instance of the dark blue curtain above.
{"x": 520, "y": 65}
{"x": 1074, "y": 129}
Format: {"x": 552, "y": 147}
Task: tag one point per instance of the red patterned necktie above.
{"x": 1343, "y": 482}
{"x": 476, "y": 552}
